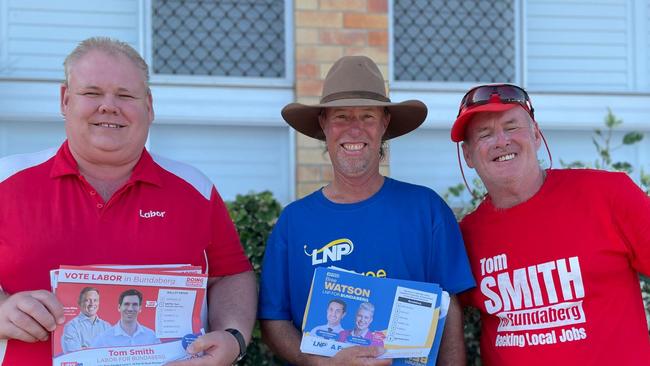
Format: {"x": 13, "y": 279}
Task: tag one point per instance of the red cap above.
{"x": 458, "y": 129}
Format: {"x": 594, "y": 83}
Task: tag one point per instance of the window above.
{"x": 240, "y": 38}
{"x": 454, "y": 40}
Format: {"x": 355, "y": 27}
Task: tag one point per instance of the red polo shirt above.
{"x": 167, "y": 212}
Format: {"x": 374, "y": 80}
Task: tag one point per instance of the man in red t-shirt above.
{"x": 102, "y": 198}
{"x": 555, "y": 252}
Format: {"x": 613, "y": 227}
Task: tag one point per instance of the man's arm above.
{"x": 29, "y": 316}
{"x": 232, "y": 303}
{"x": 452, "y": 347}
{"x": 284, "y": 340}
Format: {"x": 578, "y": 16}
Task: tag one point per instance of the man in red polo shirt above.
{"x": 102, "y": 198}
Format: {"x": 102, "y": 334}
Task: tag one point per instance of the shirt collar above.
{"x": 119, "y": 331}
{"x": 86, "y": 318}
{"x": 145, "y": 170}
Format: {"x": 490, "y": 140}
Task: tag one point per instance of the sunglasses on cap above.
{"x": 496, "y": 93}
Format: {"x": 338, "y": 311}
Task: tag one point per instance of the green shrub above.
{"x": 472, "y": 330}
{"x": 254, "y": 215}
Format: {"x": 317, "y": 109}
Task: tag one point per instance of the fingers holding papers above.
{"x": 218, "y": 347}
{"x": 30, "y": 315}
{"x": 361, "y": 356}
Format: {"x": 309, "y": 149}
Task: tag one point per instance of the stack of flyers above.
{"x": 345, "y": 309}
{"x": 430, "y": 360}
{"x": 127, "y": 315}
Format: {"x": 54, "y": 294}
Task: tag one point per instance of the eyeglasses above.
{"x": 496, "y": 93}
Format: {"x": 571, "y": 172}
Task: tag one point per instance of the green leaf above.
{"x": 573, "y": 164}
{"x": 622, "y": 167}
{"x": 632, "y": 137}
{"x": 604, "y": 154}
{"x": 610, "y": 119}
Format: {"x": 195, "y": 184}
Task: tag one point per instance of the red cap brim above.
{"x": 458, "y": 129}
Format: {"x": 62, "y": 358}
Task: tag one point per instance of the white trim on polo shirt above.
{"x": 186, "y": 172}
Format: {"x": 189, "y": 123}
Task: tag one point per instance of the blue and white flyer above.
{"x": 430, "y": 360}
{"x": 346, "y": 309}
{"x": 119, "y": 317}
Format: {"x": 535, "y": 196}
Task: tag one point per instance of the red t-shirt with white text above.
{"x": 557, "y": 275}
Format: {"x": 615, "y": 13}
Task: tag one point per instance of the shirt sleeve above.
{"x": 70, "y": 341}
{"x": 448, "y": 260}
{"x": 274, "y": 287}
{"x": 225, "y": 253}
{"x": 631, "y": 214}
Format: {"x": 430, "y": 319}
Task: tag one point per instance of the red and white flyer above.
{"x": 117, "y": 315}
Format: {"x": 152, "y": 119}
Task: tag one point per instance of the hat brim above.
{"x": 405, "y": 116}
{"x": 460, "y": 125}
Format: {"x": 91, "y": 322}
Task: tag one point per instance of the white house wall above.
{"x": 21, "y": 137}
{"x": 646, "y": 32}
{"x": 583, "y": 45}
{"x": 256, "y": 106}
{"x": 39, "y": 34}
{"x": 230, "y": 128}
{"x": 240, "y": 158}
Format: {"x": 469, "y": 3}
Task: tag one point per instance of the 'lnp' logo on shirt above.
{"x": 332, "y": 251}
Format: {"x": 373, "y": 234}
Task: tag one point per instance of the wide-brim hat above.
{"x": 355, "y": 81}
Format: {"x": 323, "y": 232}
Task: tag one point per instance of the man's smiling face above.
{"x": 502, "y": 146}
{"x": 90, "y": 303}
{"x": 129, "y": 308}
{"x": 335, "y": 313}
{"x": 107, "y": 108}
{"x": 353, "y": 136}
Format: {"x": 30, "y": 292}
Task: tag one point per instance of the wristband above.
{"x": 240, "y": 340}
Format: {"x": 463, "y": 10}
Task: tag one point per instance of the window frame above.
{"x": 519, "y": 52}
{"x": 226, "y": 81}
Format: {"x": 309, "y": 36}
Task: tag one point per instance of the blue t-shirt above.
{"x": 403, "y": 231}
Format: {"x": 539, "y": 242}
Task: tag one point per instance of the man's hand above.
{"x": 283, "y": 338}
{"x": 29, "y": 316}
{"x": 358, "y": 355}
{"x": 219, "y": 348}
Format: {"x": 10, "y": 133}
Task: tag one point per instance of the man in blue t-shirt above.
{"x": 361, "y": 221}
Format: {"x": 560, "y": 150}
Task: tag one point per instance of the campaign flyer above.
{"x": 126, "y": 316}
{"x": 345, "y": 309}
{"x": 430, "y": 360}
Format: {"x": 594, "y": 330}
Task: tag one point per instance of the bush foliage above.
{"x": 254, "y": 215}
